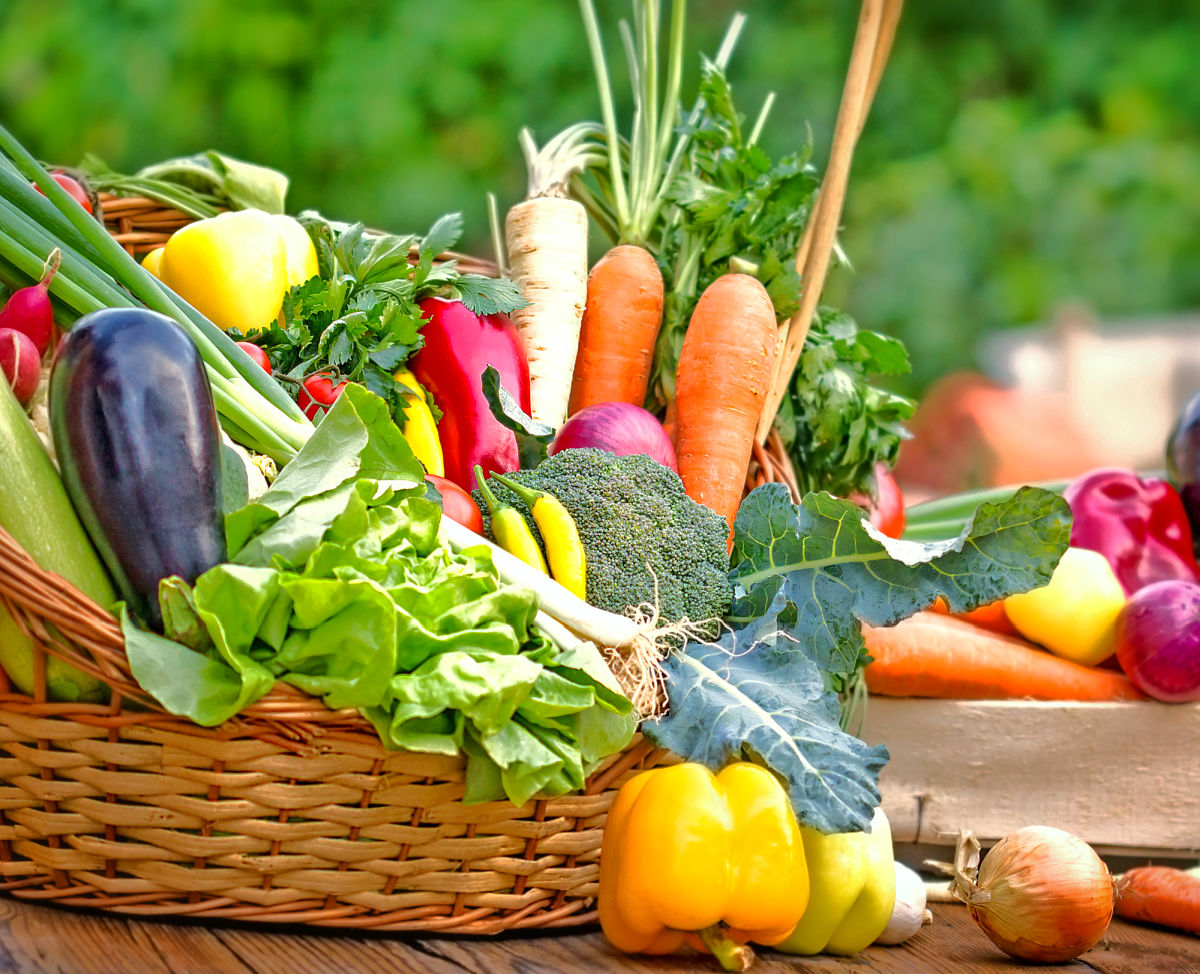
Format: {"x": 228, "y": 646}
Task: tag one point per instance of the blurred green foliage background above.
{"x": 1020, "y": 153}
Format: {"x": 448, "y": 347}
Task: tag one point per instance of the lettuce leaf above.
{"x": 338, "y": 586}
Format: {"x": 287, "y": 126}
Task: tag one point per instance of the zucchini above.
{"x": 35, "y": 510}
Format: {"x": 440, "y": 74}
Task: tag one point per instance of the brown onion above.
{"x": 1041, "y": 894}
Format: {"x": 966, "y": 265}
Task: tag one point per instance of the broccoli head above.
{"x": 638, "y": 527}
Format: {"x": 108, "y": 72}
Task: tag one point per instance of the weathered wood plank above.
{"x": 1121, "y": 776}
{"x": 49, "y": 940}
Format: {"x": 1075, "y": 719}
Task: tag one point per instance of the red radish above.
{"x": 618, "y": 427}
{"x": 256, "y": 353}
{"x": 318, "y": 394}
{"x": 73, "y": 187}
{"x": 21, "y": 363}
{"x": 29, "y": 310}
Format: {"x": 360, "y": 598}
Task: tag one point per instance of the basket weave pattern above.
{"x": 289, "y": 813}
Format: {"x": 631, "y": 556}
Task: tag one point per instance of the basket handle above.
{"x": 872, "y": 44}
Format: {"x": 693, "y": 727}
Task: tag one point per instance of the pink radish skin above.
{"x": 21, "y": 363}
{"x": 29, "y": 310}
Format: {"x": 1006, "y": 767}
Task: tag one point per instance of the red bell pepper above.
{"x": 459, "y": 346}
{"x": 1138, "y": 524}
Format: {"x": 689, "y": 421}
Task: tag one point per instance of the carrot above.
{"x": 933, "y": 655}
{"x": 546, "y": 238}
{"x": 620, "y": 326}
{"x": 990, "y": 616}
{"x": 725, "y": 371}
{"x": 1162, "y": 895}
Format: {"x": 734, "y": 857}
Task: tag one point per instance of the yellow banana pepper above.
{"x": 564, "y": 549}
{"x": 509, "y": 528}
{"x": 853, "y": 879}
{"x": 419, "y": 428}
{"x": 236, "y": 268}
{"x": 687, "y": 852}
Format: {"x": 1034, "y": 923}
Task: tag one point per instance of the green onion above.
{"x": 96, "y": 273}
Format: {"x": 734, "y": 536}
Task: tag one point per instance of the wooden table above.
{"x": 51, "y": 940}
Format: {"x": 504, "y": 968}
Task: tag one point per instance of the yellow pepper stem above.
{"x": 731, "y": 955}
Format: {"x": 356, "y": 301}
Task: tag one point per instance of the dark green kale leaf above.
{"x": 818, "y": 570}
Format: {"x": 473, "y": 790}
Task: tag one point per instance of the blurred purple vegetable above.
{"x": 1158, "y": 640}
{"x": 620, "y": 428}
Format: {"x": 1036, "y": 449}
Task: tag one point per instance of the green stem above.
{"x": 596, "y": 47}
{"x": 759, "y": 122}
{"x": 731, "y": 955}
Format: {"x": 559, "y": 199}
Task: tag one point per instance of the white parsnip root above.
{"x": 547, "y": 258}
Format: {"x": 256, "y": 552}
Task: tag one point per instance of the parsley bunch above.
{"x": 360, "y": 319}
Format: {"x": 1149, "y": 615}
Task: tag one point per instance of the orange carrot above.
{"x": 725, "y": 372}
{"x": 620, "y": 326}
{"x": 990, "y": 616}
{"x": 933, "y": 655}
{"x": 1162, "y": 895}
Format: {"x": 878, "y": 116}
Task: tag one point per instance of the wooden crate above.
{"x": 1125, "y": 777}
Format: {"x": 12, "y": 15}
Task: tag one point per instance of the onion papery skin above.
{"x": 1043, "y": 895}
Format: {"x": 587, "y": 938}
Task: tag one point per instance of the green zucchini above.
{"x": 35, "y": 510}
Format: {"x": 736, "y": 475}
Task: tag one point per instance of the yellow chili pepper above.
{"x": 509, "y": 528}
{"x": 687, "y": 852}
{"x": 853, "y": 879}
{"x": 236, "y": 268}
{"x": 1075, "y": 614}
{"x": 564, "y": 549}
{"x": 420, "y": 430}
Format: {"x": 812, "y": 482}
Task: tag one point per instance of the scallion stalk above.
{"x": 97, "y": 272}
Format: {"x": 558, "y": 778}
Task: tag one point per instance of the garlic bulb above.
{"x": 908, "y": 914}
{"x": 1041, "y": 895}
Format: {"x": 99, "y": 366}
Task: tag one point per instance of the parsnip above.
{"x": 547, "y": 256}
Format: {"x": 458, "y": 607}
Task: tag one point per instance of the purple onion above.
{"x": 620, "y": 428}
{"x": 1158, "y": 640}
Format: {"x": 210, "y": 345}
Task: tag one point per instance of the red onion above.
{"x": 1158, "y": 640}
{"x": 619, "y": 428}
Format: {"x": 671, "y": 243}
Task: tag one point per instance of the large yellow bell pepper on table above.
{"x": 687, "y": 852}
{"x": 720, "y": 861}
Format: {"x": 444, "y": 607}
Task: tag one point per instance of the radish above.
{"x": 29, "y": 310}
{"x": 21, "y": 363}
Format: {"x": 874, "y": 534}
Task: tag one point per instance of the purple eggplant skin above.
{"x": 138, "y": 446}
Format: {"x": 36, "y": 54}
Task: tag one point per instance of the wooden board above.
{"x": 51, "y": 940}
{"x": 1124, "y": 777}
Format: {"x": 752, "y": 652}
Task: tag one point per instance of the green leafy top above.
{"x": 361, "y": 318}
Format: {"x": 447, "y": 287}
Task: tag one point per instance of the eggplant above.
{"x": 138, "y": 444}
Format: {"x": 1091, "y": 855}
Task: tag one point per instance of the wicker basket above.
{"x": 292, "y": 813}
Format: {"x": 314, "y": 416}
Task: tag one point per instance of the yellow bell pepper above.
{"x": 236, "y": 268}
{"x": 152, "y": 262}
{"x": 853, "y": 879}
{"x": 420, "y": 430}
{"x": 1075, "y": 614}
{"x": 687, "y": 852}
